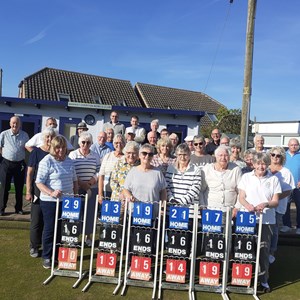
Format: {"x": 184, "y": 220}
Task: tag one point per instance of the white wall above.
{"x": 57, "y": 112}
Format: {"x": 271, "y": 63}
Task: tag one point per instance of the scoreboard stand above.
{"x": 214, "y": 233}
{"x": 142, "y": 245}
{"x": 73, "y": 226}
{"x": 109, "y": 227}
{"x": 177, "y": 249}
{"x": 246, "y": 253}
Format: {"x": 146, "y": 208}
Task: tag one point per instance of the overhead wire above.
{"x": 218, "y": 46}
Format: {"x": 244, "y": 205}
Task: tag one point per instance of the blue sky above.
{"x": 196, "y": 45}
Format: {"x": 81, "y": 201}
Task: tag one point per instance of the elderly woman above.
{"x": 278, "y": 157}
{"x": 108, "y": 163}
{"x": 236, "y": 148}
{"x": 174, "y": 140}
{"x": 122, "y": 167}
{"x": 221, "y": 180}
{"x": 199, "y": 157}
{"x": 56, "y": 176}
{"x": 183, "y": 178}
{"x": 87, "y": 164}
{"x": 163, "y": 157}
{"x": 145, "y": 182}
{"x": 33, "y": 193}
{"x": 248, "y": 159}
{"x": 259, "y": 192}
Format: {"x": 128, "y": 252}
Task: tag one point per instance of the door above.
{"x": 67, "y": 126}
{"x": 180, "y": 130}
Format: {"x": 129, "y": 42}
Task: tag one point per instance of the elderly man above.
{"x": 293, "y": 165}
{"x": 37, "y": 139}
{"x": 139, "y": 132}
{"x": 225, "y": 140}
{"x": 154, "y": 127}
{"x": 164, "y": 133}
{"x": 211, "y": 147}
{"x": 174, "y": 140}
{"x": 114, "y": 124}
{"x": 189, "y": 141}
{"x": 12, "y": 149}
{"x": 152, "y": 139}
{"x": 100, "y": 147}
{"x": 81, "y": 126}
{"x": 259, "y": 143}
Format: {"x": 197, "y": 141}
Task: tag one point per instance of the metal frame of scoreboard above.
{"x": 214, "y": 235}
{"x": 68, "y": 255}
{"x": 143, "y": 225}
{"x": 177, "y": 248}
{"x": 106, "y": 262}
{"x": 248, "y": 233}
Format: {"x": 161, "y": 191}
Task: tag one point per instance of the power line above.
{"x": 218, "y": 46}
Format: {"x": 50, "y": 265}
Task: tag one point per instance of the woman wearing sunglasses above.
{"x": 200, "y": 158}
{"x": 87, "y": 164}
{"x": 278, "y": 157}
{"x": 145, "y": 182}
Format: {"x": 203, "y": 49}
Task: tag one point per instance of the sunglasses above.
{"x": 85, "y": 142}
{"x": 198, "y": 144}
{"x": 276, "y": 155}
{"x": 144, "y": 153}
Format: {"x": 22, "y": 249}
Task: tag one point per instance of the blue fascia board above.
{"x": 127, "y": 109}
{"x": 31, "y": 101}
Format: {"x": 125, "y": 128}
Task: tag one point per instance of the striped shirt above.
{"x": 184, "y": 188}
{"x": 13, "y": 145}
{"x": 57, "y": 175}
{"x": 86, "y": 167}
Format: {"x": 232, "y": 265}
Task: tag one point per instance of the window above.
{"x": 98, "y": 99}
{"x": 212, "y": 117}
{"x": 63, "y": 97}
{"x": 122, "y": 103}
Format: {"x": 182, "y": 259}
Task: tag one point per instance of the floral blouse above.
{"x": 118, "y": 177}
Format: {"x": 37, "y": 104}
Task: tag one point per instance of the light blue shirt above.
{"x": 293, "y": 164}
{"x": 57, "y": 175}
{"x": 13, "y": 145}
{"x": 100, "y": 150}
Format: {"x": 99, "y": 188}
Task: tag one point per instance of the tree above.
{"x": 229, "y": 121}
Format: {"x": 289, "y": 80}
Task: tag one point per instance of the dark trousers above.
{"x": 286, "y": 219}
{"x": 9, "y": 170}
{"x": 36, "y": 225}
{"x": 48, "y": 210}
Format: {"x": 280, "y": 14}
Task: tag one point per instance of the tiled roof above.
{"x": 47, "y": 83}
{"x": 172, "y": 98}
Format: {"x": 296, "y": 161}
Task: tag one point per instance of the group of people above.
{"x": 129, "y": 165}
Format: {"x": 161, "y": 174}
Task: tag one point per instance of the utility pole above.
{"x": 247, "y": 90}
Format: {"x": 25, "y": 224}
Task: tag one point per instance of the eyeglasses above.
{"x": 276, "y": 155}
{"x": 131, "y": 153}
{"x": 85, "y": 142}
{"x": 198, "y": 144}
{"x": 144, "y": 153}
